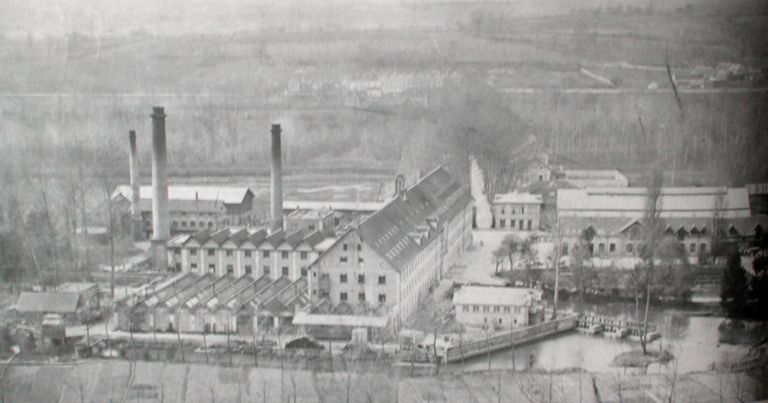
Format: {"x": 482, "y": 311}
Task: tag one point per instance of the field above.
{"x": 99, "y": 381}
{"x": 225, "y": 73}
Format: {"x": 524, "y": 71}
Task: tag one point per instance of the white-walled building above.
{"x": 498, "y": 307}
{"x": 611, "y": 219}
{"x": 517, "y": 211}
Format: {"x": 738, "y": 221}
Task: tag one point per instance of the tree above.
{"x": 733, "y": 288}
{"x": 652, "y": 231}
{"x": 580, "y": 262}
{"x": 758, "y": 287}
{"x": 512, "y": 246}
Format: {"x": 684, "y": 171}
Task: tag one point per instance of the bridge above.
{"x": 612, "y": 324}
{"x": 512, "y": 338}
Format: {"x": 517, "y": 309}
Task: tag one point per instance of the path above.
{"x": 483, "y": 215}
{"x": 477, "y": 265}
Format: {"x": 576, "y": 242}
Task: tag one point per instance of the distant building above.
{"x": 322, "y": 220}
{"x": 535, "y": 169}
{"x": 610, "y": 220}
{"x": 583, "y": 178}
{"x": 387, "y": 263}
{"x": 194, "y": 208}
{"x": 548, "y": 192}
{"x": 498, "y": 307}
{"x": 539, "y": 167}
{"x": 517, "y": 211}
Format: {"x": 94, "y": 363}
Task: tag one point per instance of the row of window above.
{"x": 514, "y": 211}
{"x": 495, "y": 308}
{"x": 343, "y": 259}
{"x": 361, "y": 279}
{"x": 192, "y": 224}
{"x": 229, "y": 252}
{"x": 630, "y": 248}
{"x": 345, "y": 247}
{"x": 266, "y": 269}
{"x": 521, "y": 224}
{"x": 361, "y": 297}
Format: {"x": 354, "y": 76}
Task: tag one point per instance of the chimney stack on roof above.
{"x": 276, "y": 202}
{"x": 133, "y": 170}
{"x": 161, "y": 228}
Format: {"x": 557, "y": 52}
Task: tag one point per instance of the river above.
{"x": 694, "y": 341}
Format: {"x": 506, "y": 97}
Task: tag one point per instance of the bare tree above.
{"x": 652, "y": 229}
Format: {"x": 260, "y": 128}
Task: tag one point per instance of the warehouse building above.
{"x": 610, "y": 220}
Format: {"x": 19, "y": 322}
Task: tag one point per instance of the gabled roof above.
{"x": 248, "y": 293}
{"x": 270, "y": 291}
{"x": 238, "y": 237}
{"x": 287, "y": 298}
{"x": 517, "y": 198}
{"x": 47, "y": 302}
{"x": 225, "y": 293}
{"x": 186, "y": 292}
{"x": 206, "y": 293}
{"x": 314, "y": 239}
{"x": 257, "y": 237}
{"x": 224, "y": 194}
{"x": 389, "y": 230}
{"x": 672, "y": 202}
{"x": 294, "y": 239}
{"x": 748, "y": 226}
{"x": 275, "y": 239}
{"x": 219, "y": 236}
{"x": 202, "y": 236}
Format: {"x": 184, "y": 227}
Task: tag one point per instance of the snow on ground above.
{"x": 483, "y": 215}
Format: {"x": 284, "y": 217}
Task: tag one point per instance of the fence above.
{"x": 508, "y": 339}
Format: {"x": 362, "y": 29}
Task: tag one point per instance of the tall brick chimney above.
{"x": 161, "y": 228}
{"x": 276, "y": 201}
{"x": 133, "y": 168}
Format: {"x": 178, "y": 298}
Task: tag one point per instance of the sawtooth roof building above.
{"x": 611, "y": 218}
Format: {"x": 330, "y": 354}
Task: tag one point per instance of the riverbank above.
{"x": 115, "y": 380}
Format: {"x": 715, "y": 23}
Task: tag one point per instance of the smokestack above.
{"x": 276, "y": 203}
{"x": 133, "y": 168}
{"x": 161, "y": 229}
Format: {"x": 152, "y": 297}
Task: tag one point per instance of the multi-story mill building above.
{"x": 392, "y": 257}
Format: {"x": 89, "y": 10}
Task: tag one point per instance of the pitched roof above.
{"x": 615, "y": 225}
{"x": 275, "y": 239}
{"x": 314, "y": 239}
{"x": 332, "y": 205}
{"x": 515, "y": 197}
{"x": 485, "y": 295}
{"x": 294, "y": 239}
{"x": 223, "y": 194}
{"x": 747, "y": 226}
{"x": 389, "y": 231}
{"x": 672, "y": 202}
{"x": 50, "y": 302}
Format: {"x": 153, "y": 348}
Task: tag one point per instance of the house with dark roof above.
{"x": 391, "y": 258}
